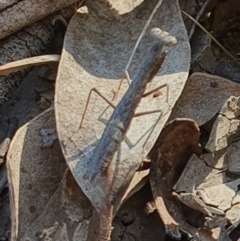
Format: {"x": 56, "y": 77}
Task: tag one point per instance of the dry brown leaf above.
{"x": 216, "y": 175}
{"x": 203, "y": 97}
{"x": 196, "y": 173}
{"x": 35, "y": 181}
{"x": 177, "y": 142}
{"x": 98, "y": 60}
{"x": 34, "y": 176}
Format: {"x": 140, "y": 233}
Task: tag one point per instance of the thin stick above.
{"x": 28, "y": 62}
{"x": 197, "y": 18}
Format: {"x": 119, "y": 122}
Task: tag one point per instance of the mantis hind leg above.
{"x": 86, "y": 106}
{"x": 87, "y": 102}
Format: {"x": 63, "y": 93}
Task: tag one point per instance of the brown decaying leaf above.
{"x": 177, "y": 142}
{"x": 216, "y": 174}
{"x": 97, "y": 60}
{"x": 34, "y": 176}
{"x": 35, "y": 180}
{"x": 203, "y": 97}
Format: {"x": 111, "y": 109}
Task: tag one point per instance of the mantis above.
{"x": 96, "y": 62}
{"x": 98, "y": 180}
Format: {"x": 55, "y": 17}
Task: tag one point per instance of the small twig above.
{"x": 198, "y": 17}
{"x": 28, "y": 62}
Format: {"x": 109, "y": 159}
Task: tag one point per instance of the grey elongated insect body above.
{"x": 104, "y": 175}
{"x": 123, "y": 114}
{"x": 99, "y": 172}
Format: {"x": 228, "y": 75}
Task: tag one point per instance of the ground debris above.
{"x": 207, "y": 178}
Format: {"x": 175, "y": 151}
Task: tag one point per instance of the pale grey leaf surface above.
{"x": 34, "y": 176}
{"x": 215, "y": 174}
{"x": 38, "y": 196}
{"x": 98, "y": 42}
{"x": 47, "y": 206}
{"x": 203, "y": 97}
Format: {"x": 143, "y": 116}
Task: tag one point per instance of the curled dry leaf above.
{"x": 197, "y": 173}
{"x": 203, "y": 97}
{"x": 177, "y": 142}
{"x": 226, "y": 127}
{"x": 96, "y": 51}
{"x": 216, "y": 174}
